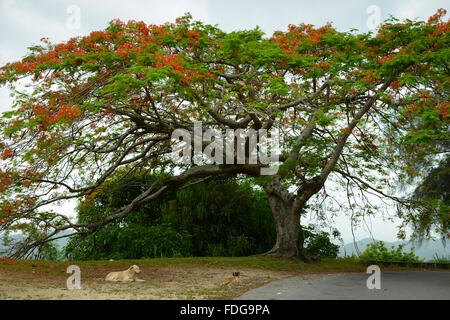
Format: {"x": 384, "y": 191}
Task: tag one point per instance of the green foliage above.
{"x": 319, "y": 243}
{"x": 219, "y": 217}
{"x": 378, "y": 251}
{"x": 49, "y": 252}
{"x": 132, "y": 241}
{"x": 223, "y": 217}
{"x": 436, "y": 183}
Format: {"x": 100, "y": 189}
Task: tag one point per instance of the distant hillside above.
{"x": 60, "y": 243}
{"x": 427, "y": 251}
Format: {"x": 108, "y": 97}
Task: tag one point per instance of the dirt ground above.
{"x": 162, "y": 283}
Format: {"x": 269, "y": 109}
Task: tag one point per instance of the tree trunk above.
{"x": 289, "y": 236}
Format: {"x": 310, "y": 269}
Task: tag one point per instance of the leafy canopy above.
{"x": 345, "y": 103}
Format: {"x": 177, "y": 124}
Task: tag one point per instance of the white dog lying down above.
{"x": 128, "y": 275}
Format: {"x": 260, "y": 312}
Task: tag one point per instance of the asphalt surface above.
{"x": 394, "y": 285}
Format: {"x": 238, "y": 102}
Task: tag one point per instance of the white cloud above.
{"x": 415, "y": 9}
{"x": 155, "y": 12}
{"x": 24, "y": 21}
{"x": 411, "y": 9}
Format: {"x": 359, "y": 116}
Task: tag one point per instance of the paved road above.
{"x": 404, "y": 285}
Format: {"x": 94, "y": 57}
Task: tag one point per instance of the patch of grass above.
{"x": 261, "y": 262}
{"x": 97, "y": 269}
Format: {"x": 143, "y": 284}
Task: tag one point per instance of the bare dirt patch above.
{"x": 166, "y": 278}
{"x": 168, "y": 282}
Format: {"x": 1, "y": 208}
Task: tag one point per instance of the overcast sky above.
{"x": 25, "y": 22}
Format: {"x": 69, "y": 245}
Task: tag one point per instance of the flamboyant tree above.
{"x": 358, "y": 109}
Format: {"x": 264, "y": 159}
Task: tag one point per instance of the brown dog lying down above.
{"x": 128, "y": 275}
{"x": 228, "y": 281}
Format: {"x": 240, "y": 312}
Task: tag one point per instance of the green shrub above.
{"x": 378, "y": 251}
{"x": 218, "y": 217}
{"x": 319, "y": 243}
{"x": 225, "y": 218}
{"x": 130, "y": 242}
